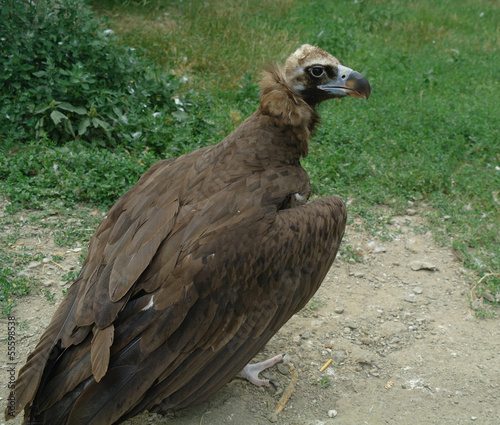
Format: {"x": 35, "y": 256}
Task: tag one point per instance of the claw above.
{"x": 251, "y": 371}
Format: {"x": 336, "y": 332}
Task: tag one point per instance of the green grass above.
{"x": 13, "y": 284}
{"x": 68, "y": 227}
{"x": 44, "y": 175}
{"x": 428, "y": 136}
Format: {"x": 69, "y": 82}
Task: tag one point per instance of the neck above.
{"x": 287, "y": 110}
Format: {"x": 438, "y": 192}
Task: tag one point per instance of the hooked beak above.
{"x": 348, "y": 83}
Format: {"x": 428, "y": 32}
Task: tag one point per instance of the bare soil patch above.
{"x": 406, "y": 347}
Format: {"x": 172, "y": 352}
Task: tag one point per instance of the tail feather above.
{"x": 58, "y": 414}
{"x": 102, "y": 406}
{"x": 66, "y": 379}
{"x": 45, "y": 353}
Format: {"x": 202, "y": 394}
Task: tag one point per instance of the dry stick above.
{"x": 287, "y": 393}
{"x": 479, "y": 281}
{"x": 328, "y": 363}
{"x": 58, "y": 265}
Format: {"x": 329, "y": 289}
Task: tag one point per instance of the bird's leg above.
{"x": 251, "y": 371}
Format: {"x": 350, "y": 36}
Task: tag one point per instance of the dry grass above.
{"x": 189, "y": 40}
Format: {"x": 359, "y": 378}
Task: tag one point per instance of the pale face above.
{"x": 315, "y": 76}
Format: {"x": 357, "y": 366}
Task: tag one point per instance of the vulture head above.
{"x": 315, "y": 76}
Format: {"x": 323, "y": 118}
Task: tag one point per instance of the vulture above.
{"x": 196, "y": 266}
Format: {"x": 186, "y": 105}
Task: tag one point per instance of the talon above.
{"x": 251, "y": 371}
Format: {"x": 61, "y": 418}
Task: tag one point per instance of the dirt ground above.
{"x": 405, "y": 345}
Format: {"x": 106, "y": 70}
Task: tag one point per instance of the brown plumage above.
{"x": 197, "y": 266}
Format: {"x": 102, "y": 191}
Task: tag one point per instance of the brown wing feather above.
{"x": 100, "y": 348}
{"x": 30, "y": 375}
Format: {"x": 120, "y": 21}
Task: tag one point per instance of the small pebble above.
{"x": 339, "y": 310}
{"x": 417, "y": 290}
{"x": 410, "y": 298}
{"x": 283, "y": 369}
{"x": 339, "y": 356}
{"x": 332, "y": 413}
{"x": 422, "y": 265}
{"x": 306, "y": 335}
{"x": 74, "y": 250}
{"x": 272, "y": 417}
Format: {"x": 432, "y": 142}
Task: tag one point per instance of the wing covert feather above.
{"x": 100, "y": 350}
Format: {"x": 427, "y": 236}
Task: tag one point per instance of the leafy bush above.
{"x": 64, "y": 76}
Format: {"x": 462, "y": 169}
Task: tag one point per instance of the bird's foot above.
{"x": 251, "y": 371}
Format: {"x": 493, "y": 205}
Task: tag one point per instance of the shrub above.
{"x": 65, "y": 77}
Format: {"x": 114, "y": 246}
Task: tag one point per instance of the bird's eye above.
{"x": 317, "y": 71}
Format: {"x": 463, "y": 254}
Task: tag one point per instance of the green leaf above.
{"x": 77, "y": 109}
{"x": 82, "y": 128}
{"x": 69, "y": 127}
{"x": 40, "y": 73}
{"x": 180, "y": 115}
{"x": 42, "y": 108}
{"x": 39, "y": 127}
{"x": 100, "y": 123}
{"x": 117, "y": 111}
{"x": 39, "y": 124}
{"x": 57, "y": 117}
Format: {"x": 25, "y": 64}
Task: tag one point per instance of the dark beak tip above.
{"x": 360, "y": 84}
{"x": 368, "y": 91}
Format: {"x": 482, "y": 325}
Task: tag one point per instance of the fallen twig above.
{"x": 287, "y": 393}
{"x": 58, "y": 265}
{"x": 328, "y": 363}
{"x": 473, "y": 288}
